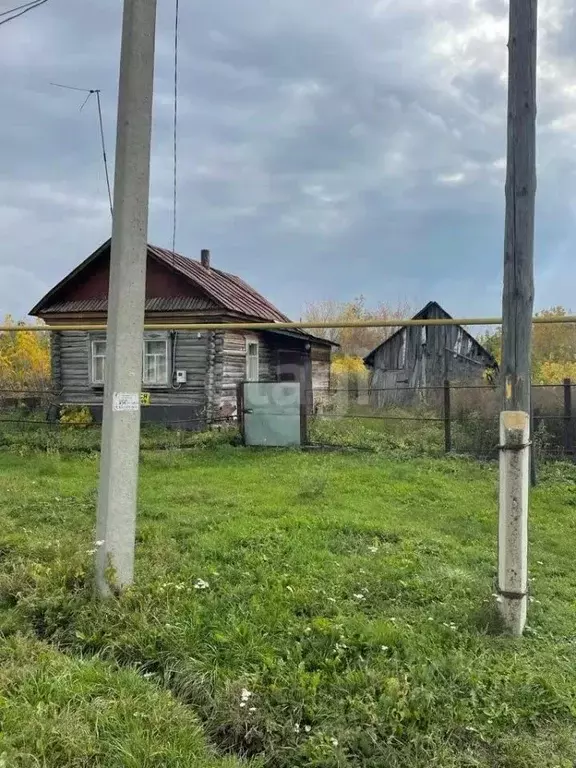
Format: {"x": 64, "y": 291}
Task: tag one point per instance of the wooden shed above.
{"x": 416, "y": 359}
{"x": 190, "y": 377}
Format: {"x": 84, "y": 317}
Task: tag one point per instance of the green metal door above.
{"x": 272, "y": 413}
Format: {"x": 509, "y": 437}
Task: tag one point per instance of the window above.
{"x": 155, "y": 364}
{"x": 155, "y": 361}
{"x": 252, "y": 373}
{"x": 98, "y": 362}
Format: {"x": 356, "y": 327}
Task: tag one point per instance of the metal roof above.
{"x": 222, "y": 289}
{"x": 176, "y": 303}
{"x": 228, "y": 290}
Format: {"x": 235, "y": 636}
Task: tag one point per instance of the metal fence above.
{"x": 454, "y": 418}
{"x": 37, "y": 420}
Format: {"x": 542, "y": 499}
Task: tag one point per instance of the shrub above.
{"x": 76, "y": 416}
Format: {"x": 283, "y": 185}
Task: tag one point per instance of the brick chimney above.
{"x": 205, "y": 258}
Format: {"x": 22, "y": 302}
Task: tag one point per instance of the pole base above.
{"x": 513, "y": 612}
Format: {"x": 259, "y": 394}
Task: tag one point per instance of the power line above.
{"x": 175, "y": 190}
{"x": 22, "y": 8}
{"x": 18, "y": 8}
{"x": 104, "y": 157}
{"x": 91, "y": 91}
{"x": 73, "y": 88}
{"x": 85, "y": 101}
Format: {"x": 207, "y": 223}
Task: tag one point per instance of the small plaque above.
{"x": 145, "y": 398}
{"x": 125, "y": 401}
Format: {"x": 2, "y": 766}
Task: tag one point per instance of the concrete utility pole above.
{"x": 517, "y": 305}
{"x": 116, "y": 523}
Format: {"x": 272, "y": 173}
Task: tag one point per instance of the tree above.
{"x": 24, "y": 360}
{"x": 354, "y": 342}
{"x": 553, "y": 348}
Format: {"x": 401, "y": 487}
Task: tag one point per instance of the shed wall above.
{"x": 418, "y": 359}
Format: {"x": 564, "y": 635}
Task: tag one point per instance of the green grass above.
{"x": 62, "y": 711}
{"x": 404, "y": 432}
{"x": 350, "y": 595}
{"x": 27, "y": 436}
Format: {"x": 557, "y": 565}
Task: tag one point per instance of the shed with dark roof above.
{"x": 190, "y": 377}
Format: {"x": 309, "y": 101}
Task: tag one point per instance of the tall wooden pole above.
{"x": 518, "y": 294}
{"x": 517, "y": 306}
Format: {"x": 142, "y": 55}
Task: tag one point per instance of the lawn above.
{"x": 290, "y": 609}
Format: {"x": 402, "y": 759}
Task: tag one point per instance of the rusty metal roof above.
{"x": 228, "y": 290}
{"x": 222, "y": 289}
{"x": 176, "y": 303}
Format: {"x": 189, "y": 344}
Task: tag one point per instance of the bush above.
{"x": 76, "y": 416}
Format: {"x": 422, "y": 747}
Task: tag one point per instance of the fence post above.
{"x": 447, "y": 418}
{"x": 533, "y": 468}
{"x": 303, "y": 414}
{"x": 568, "y": 447}
{"x": 240, "y": 408}
{"x": 352, "y": 388}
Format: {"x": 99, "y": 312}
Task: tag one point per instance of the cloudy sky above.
{"x": 328, "y": 148}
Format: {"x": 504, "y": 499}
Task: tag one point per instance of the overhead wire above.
{"x": 22, "y": 8}
{"x": 72, "y": 88}
{"x": 96, "y": 91}
{"x": 19, "y": 7}
{"x": 85, "y": 101}
{"x": 104, "y": 155}
{"x": 175, "y": 134}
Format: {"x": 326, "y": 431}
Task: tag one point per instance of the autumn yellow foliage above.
{"x": 342, "y": 364}
{"x": 553, "y": 348}
{"x": 554, "y": 372}
{"x": 24, "y": 360}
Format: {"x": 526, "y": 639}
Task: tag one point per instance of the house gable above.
{"x": 433, "y": 311}
{"x": 87, "y": 288}
{"x": 175, "y": 285}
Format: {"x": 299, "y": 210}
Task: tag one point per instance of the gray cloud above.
{"x": 327, "y": 149}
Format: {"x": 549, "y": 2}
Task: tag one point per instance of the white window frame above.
{"x": 250, "y": 359}
{"x": 150, "y": 338}
{"x": 93, "y": 356}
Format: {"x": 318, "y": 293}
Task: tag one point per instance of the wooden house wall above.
{"x": 320, "y": 376}
{"x": 418, "y": 358}
{"x": 71, "y": 360}
{"x": 321, "y": 358}
{"x": 230, "y": 366}
{"x": 215, "y": 362}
